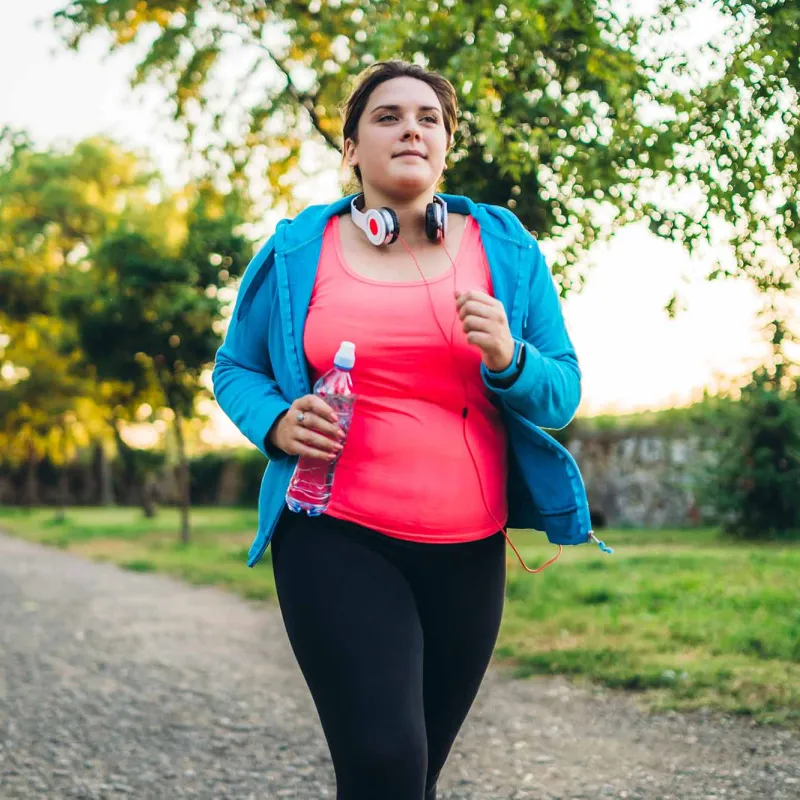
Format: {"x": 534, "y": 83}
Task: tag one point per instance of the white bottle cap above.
{"x": 345, "y": 356}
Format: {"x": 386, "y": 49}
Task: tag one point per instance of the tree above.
{"x": 46, "y": 410}
{"x": 53, "y": 205}
{"x": 736, "y": 140}
{"x": 110, "y": 285}
{"x": 568, "y": 106}
{"x": 752, "y": 481}
{"x": 148, "y": 308}
{"x": 550, "y": 93}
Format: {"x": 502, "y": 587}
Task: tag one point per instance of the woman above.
{"x": 392, "y": 598}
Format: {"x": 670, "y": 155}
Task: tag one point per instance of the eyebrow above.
{"x": 397, "y": 108}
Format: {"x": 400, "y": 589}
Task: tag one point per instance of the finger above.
{"x": 317, "y": 441}
{"x": 471, "y": 294}
{"x": 481, "y": 309}
{"x": 319, "y": 407}
{"x": 301, "y": 449}
{"x": 484, "y": 306}
{"x": 316, "y": 405}
{"x": 314, "y": 422}
{"x": 476, "y": 294}
{"x": 473, "y": 323}
{"x": 481, "y": 339}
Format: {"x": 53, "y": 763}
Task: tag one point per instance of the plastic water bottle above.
{"x": 312, "y": 481}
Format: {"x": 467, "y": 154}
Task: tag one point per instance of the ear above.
{"x": 350, "y": 155}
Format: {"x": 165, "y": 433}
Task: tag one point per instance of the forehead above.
{"x": 404, "y": 91}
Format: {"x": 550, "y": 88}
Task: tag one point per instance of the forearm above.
{"x": 252, "y": 400}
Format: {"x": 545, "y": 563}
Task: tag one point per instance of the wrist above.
{"x": 509, "y": 362}
{"x": 508, "y": 377}
{"x": 273, "y": 435}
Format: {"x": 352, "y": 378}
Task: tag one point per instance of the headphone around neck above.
{"x": 382, "y": 226}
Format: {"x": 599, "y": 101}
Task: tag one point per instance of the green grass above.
{"x": 693, "y": 620}
{"x": 686, "y": 618}
{"x": 215, "y": 557}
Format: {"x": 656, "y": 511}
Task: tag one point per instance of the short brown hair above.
{"x": 383, "y": 71}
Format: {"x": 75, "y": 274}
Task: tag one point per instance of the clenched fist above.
{"x": 484, "y": 320}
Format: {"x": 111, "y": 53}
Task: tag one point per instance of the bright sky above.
{"x": 632, "y": 356}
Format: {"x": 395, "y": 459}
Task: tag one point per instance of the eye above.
{"x": 428, "y": 118}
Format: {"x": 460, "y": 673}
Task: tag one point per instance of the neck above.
{"x": 410, "y": 213}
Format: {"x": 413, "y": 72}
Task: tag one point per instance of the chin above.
{"x": 409, "y": 185}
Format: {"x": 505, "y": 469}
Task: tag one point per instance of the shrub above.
{"x": 752, "y": 483}
{"x": 206, "y": 473}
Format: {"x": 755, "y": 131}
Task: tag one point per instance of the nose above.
{"x": 411, "y": 131}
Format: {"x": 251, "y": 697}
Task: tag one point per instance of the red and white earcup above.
{"x": 381, "y": 226}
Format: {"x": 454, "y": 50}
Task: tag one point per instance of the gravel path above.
{"x": 122, "y": 685}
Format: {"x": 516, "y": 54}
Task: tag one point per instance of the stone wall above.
{"x": 638, "y": 479}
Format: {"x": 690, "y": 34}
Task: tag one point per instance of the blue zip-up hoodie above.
{"x": 261, "y": 367}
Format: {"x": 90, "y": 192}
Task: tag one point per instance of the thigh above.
{"x": 460, "y": 597}
{"x": 352, "y": 622}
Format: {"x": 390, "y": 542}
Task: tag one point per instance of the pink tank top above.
{"x": 405, "y": 470}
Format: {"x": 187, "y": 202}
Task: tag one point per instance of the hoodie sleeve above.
{"x": 243, "y": 378}
{"x": 548, "y": 389}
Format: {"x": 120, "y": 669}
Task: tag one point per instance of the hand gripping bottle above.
{"x": 312, "y": 481}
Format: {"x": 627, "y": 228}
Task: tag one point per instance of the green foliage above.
{"x": 206, "y": 475}
{"x": 146, "y": 311}
{"x": 53, "y": 205}
{"x": 139, "y": 565}
{"x": 46, "y": 408}
{"x": 111, "y": 285}
{"x": 752, "y": 483}
{"x": 738, "y": 139}
{"x": 567, "y": 105}
{"x": 103, "y": 282}
{"x": 138, "y": 463}
{"x": 550, "y": 92}
{"x": 683, "y": 420}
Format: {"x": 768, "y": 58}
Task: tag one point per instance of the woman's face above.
{"x": 402, "y": 115}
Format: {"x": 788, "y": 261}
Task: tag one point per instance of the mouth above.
{"x": 409, "y": 153}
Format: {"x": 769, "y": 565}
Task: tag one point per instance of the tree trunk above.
{"x": 31, "y": 482}
{"x": 105, "y": 477}
{"x": 147, "y": 495}
{"x": 142, "y": 482}
{"x": 183, "y": 478}
{"x": 63, "y": 495}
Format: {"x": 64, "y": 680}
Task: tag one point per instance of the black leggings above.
{"x": 393, "y": 639}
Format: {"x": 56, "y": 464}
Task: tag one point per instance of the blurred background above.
{"x": 148, "y": 148}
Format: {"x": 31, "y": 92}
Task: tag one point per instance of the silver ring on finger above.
{"x": 301, "y": 415}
